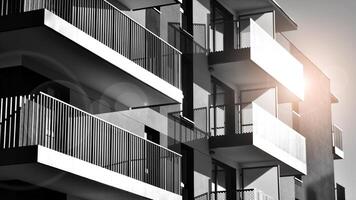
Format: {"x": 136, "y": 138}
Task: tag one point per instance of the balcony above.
{"x": 121, "y": 52}
{"x": 337, "y": 142}
{"x": 44, "y": 136}
{"x": 255, "y": 58}
{"x": 254, "y": 137}
{"x": 250, "y": 194}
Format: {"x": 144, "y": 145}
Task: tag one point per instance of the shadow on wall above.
{"x": 311, "y": 194}
{"x": 322, "y": 189}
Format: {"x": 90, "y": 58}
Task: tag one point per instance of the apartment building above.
{"x": 161, "y": 99}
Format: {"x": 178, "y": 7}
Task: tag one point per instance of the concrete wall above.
{"x": 202, "y": 172}
{"x": 266, "y": 98}
{"x": 136, "y": 120}
{"x": 169, "y": 14}
{"x": 264, "y": 20}
{"x": 201, "y": 15}
{"x": 264, "y": 179}
{"x": 285, "y": 113}
{"x": 287, "y": 188}
{"x": 138, "y": 15}
{"x": 315, "y": 125}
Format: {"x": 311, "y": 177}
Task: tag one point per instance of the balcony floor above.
{"x": 41, "y": 166}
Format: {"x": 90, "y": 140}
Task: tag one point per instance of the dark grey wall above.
{"x": 315, "y": 125}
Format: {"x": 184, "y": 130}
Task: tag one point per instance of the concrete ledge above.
{"x": 338, "y": 153}
{"x": 42, "y": 166}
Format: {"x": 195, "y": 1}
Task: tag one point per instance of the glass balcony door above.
{"x": 222, "y": 109}
{"x": 221, "y": 28}
{"x": 223, "y": 182}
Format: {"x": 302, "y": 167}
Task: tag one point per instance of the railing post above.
{"x": 92, "y": 140}
{"x": 128, "y": 156}
{"x": 130, "y": 40}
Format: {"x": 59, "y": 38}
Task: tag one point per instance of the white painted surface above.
{"x": 285, "y": 113}
{"x": 339, "y": 152}
{"x": 278, "y": 139}
{"x": 263, "y": 179}
{"x": 275, "y": 60}
{"x": 95, "y": 173}
{"x": 287, "y": 188}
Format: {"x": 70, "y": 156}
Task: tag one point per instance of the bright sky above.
{"x": 327, "y": 35}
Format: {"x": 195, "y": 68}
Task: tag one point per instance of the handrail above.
{"x": 185, "y": 36}
{"x": 91, "y": 115}
{"x": 143, "y": 26}
{"x": 251, "y": 194}
{"x": 235, "y": 104}
{"x": 40, "y": 119}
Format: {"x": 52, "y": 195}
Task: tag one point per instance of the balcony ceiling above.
{"x": 140, "y": 4}
{"x": 245, "y": 73}
{"x": 283, "y": 21}
{"x": 242, "y": 73}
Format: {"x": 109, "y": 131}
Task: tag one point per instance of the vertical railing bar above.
{"x": 1, "y": 113}
{"x": 14, "y": 132}
{"x": 10, "y": 122}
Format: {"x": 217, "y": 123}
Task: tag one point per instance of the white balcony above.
{"x": 261, "y": 138}
{"x": 47, "y": 141}
{"x": 129, "y": 63}
{"x": 337, "y": 142}
{"x": 259, "y": 59}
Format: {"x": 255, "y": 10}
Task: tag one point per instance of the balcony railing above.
{"x": 244, "y": 194}
{"x": 337, "y": 137}
{"x": 183, "y": 130}
{"x": 242, "y": 121}
{"x": 40, "y": 119}
{"x": 251, "y": 118}
{"x": 183, "y": 41}
{"x": 113, "y": 28}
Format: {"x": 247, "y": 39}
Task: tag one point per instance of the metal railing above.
{"x": 243, "y": 194}
{"x": 184, "y": 131}
{"x": 337, "y": 137}
{"x": 242, "y": 122}
{"x": 239, "y": 38}
{"x": 183, "y": 41}
{"x": 204, "y": 196}
{"x": 40, "y": 119}
{"x": 110, "y": 26}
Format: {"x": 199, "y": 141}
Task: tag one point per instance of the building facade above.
{"x": 163, "y": 100}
